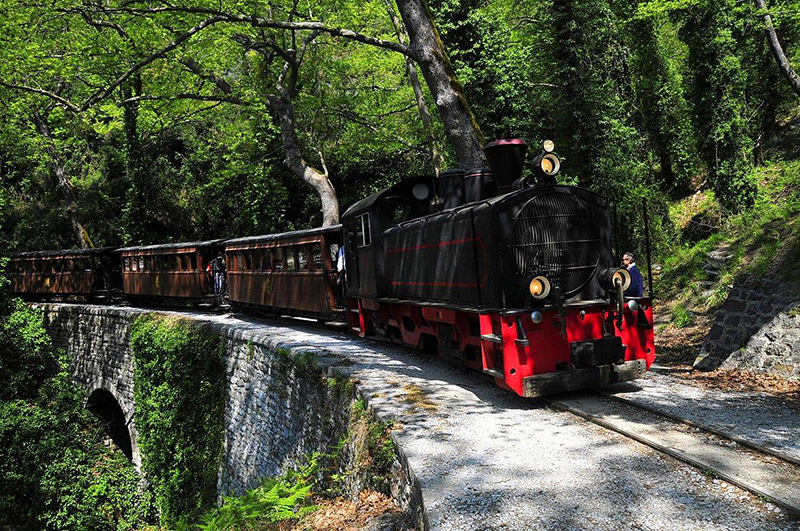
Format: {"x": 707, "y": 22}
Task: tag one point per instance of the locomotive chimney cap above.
{"x": 505, "y": 142}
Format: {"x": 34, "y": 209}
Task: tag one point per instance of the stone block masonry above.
{"x": 757, "y": 329}
{"x": 279, "y": 407}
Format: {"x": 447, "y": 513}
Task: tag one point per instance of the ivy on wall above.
{"x": 179, "y": 393}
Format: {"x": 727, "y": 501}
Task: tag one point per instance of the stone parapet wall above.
{"x": 757, "y": 329}
{"x": 280, "y": 404}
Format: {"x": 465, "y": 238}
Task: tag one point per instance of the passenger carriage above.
{"x": 172, "y": 272}
{"x": 292, "y": 273}
{"x": 85, "y": 274}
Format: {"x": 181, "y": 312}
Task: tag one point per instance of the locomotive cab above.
{"x": 364, "y": 221}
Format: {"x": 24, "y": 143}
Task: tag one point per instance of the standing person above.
{"x": 219, "y": 271}
{"x": 636, "y": 289}
{"x": 341, "y": 271}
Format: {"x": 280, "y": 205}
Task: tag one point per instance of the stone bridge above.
{"x": 275, "y": 414}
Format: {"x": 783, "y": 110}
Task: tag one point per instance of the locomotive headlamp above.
{"x": 550, "y": 164}
{"x": 548, "y": 146}
{"x": 621, "y": 276}
{"x": 539, "y": 287}
{"x": 615, "y": 275}
{"x": 537, "y": 317}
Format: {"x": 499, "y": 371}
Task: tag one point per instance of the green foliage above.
{"x": 714, "y": 34}
{"x": 55, "y": 471}
{"x": 179, "y": 391}
{"x": 681, "y": 316}
{"x": 275, "y": 500}
{"x": 378, "y": 454}
{"x": 27, "y": 356}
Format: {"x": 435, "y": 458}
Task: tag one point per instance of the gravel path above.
{"x": 488, "y": 460}
{"x": 757, "y": 417}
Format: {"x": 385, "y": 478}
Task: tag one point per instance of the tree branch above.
{"x": 63, "y": 101}
{"x": 100, "y": 95}
{"x": 777, "y": 50}
{"x": 275, "y": 24}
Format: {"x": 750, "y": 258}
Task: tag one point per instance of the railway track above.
{"x": 750, "y": 466}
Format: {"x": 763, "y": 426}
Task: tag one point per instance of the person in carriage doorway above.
{"x": 341, "y": 272}
{"x": 636, "y": 289}
{"x": 219, "y": 271}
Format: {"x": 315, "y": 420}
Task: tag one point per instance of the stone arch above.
{"x": 119, "y": 426}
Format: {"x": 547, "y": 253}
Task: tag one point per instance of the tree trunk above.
{"x": 64, "y": 184}
{"x": 413, "y": 78}
{"x": 777, "y": 50}
{"x": 283, "y": 110}
{"x": 428, "y": 49}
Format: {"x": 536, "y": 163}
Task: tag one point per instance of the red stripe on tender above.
{"x": 479, "y": 240}
{"x": 429, "y": 245}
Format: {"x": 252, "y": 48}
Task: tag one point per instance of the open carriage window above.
{"x": 192, "y": 262}
{"x": 291, "y": 262}
{"x": 302, "y": 257}
{"x": 127, "y": 264}
{"x": 277, "y": 259}
{"x": 316, "y": 255}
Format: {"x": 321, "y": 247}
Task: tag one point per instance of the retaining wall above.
{"x": 757, "y": 329}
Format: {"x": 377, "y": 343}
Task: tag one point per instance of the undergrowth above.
{"x": 763, "y": 241}
{"x": 275, "y": 500}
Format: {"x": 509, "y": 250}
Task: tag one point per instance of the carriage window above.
{"x": 363, "y": 235}
{"x": 291, "y": 262}
{"x": 134, "y": 264}
{"x": 316, "y": 255}
{"x": 193, "y": 262}
{"x": 127, "y": 264}
{"x": 277, "y": 259}
{"x": 302, "y": 258}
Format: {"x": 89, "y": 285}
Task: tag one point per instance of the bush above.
{"x": 27, "y": 356}
{"x": 276, "y": 500}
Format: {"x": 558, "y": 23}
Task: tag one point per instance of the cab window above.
{"x": 363, "y": 234}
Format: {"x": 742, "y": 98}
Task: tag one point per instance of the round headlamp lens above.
{"x": 623, "y": 277}
{"x": 537, "y": 317}
{"x": 550, "y": 164}
{"x": 539, "y": 287}
{"x": 548, "y": 146}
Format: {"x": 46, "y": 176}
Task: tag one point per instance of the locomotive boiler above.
{"x": 508, "y": 275}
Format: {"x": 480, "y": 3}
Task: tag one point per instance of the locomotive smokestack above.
{"x": 506, "y": 158}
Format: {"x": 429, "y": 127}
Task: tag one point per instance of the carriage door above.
{"x": 351, "y": 257}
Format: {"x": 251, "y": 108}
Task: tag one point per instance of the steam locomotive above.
{"x": 512, "y": 276}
